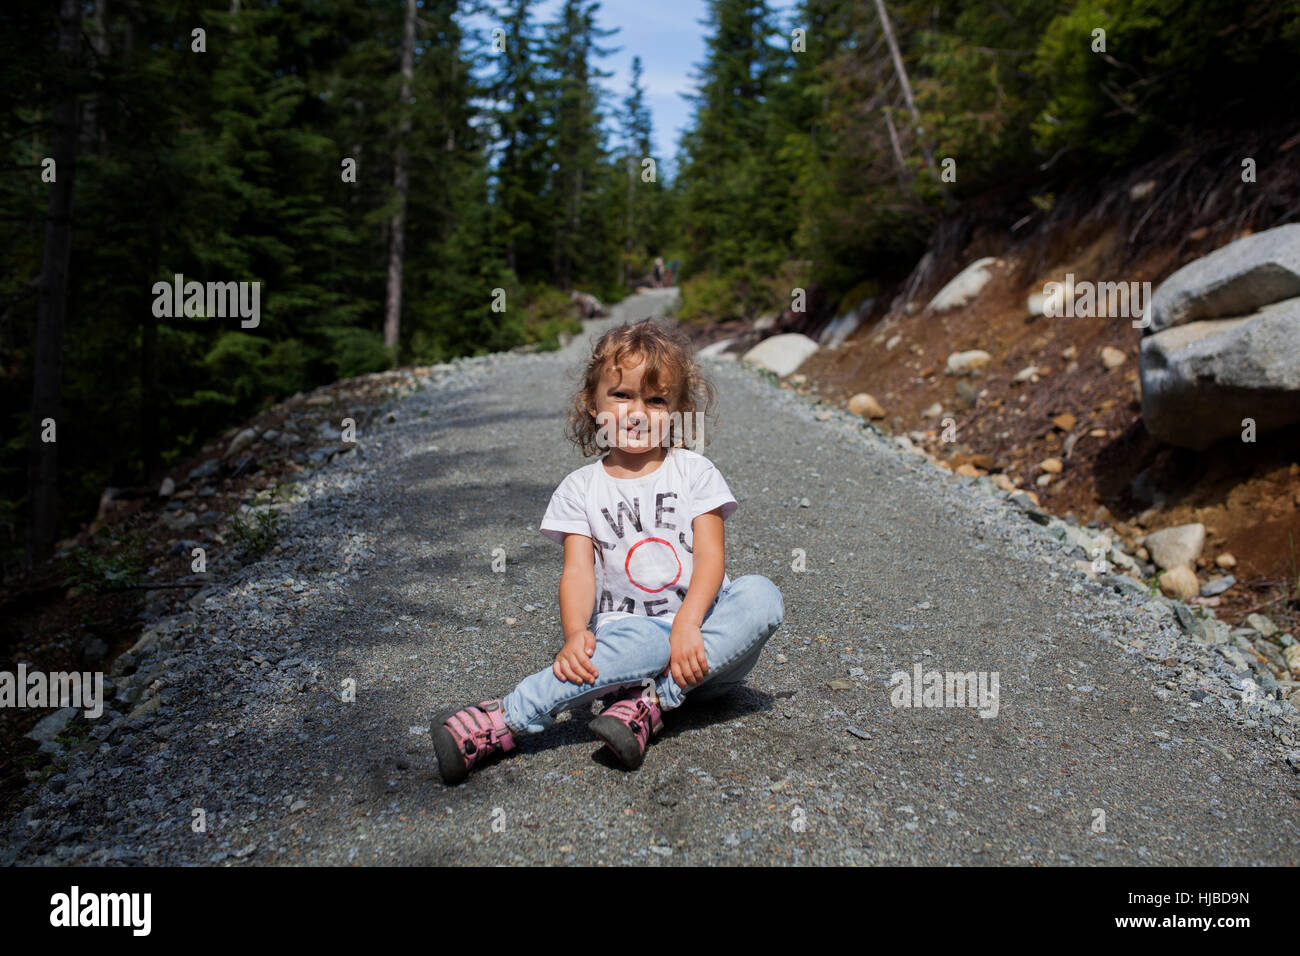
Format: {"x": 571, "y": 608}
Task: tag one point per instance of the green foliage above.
{"x": 1170, "y": 68}
{"x": 114, "y": 558}
{"x": 710, "y": 297}
{"x": 226, "y": 167}
{"x": 258, "y": 526}
{"x": 857, "y": 295}
{"x": 550, "y": 312}
{"x": 793, "y": 157}
{"x": 1072, "y": 74}
{"x": 75, "y": 733}
{"x": 354, "y": 351}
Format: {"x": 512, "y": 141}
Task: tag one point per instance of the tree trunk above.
{"x": 564, "y": 236}
{"x": 907, "y": 86}
{"x": 898, "y": 152}
{"x": 397, "y": 238}
{"x": 150, "y": 443}
{"x": 90, "y": 119}
{"x": 42, "y": 474}
{"x": 627, "y": 231}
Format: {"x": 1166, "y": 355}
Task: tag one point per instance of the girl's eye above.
{"x": 661, "y": 401}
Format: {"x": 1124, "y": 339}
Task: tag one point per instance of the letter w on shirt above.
{"x": 634, "y": 512}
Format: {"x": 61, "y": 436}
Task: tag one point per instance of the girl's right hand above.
{"x": 571, "y": 664}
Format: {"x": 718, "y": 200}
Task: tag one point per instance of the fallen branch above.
{"x": 160, "y": 584}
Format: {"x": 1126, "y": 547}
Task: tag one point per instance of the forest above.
{"x": 392, "y": 188}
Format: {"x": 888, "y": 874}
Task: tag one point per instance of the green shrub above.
{"x": 115, "y": 558}
{"x": 257, "y": 527}
{"x": 354, "y": 352}
{"x": 711, "y": 298}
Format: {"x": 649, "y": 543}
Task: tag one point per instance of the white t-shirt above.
{"x": 641, "y": 529}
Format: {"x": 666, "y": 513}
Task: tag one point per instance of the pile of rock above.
{"x": 1221, "y": 353}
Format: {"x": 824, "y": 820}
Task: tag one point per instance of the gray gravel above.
{"x": 384, "y": 577}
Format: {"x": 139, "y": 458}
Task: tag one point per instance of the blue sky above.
{"x": 669, "y": 38}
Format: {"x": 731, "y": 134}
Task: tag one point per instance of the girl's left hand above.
{"x": 687, "y": 663}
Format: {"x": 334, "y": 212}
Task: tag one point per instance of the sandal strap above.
{"x": 500, "y": 733}
{"x": 638, "y": 710}
{"x": 481, "y": 723}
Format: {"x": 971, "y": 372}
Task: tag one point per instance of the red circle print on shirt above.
{"x": 652, "y": 565}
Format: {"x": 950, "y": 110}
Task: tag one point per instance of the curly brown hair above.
{"x": 670, "y": 366}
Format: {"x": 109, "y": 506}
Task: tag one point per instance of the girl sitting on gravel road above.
{"x": 644, "y": 546}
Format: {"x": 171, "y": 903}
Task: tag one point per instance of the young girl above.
{"x": 643, "y": 546}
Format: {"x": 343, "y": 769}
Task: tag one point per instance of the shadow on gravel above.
{"x": 450, "y": 420}
{"x": 740, "y": 702}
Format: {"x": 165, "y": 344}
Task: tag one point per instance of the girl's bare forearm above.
{"x": 577, "y": 601}
{"x": 706, "y": 580}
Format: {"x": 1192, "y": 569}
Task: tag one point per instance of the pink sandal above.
{"x": 627, "y": 725}
{"x": 463, "y": 738}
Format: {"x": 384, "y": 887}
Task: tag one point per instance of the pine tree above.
{"x": 725, "y": 205}
{"x": 401, "y": 186}
{"x": 576, "y": 147}
{"x": 518, "y": 92}
{"x": 47, "y": 387}
{"x": 640, "y": 198}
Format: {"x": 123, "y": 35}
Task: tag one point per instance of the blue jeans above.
{"x": 629, "y": 649}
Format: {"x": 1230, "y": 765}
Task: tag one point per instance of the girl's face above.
{"x": 629, "y": 414}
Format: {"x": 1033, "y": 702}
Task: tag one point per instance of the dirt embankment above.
{"x": 1066, "y": 388}
{"x": 1076, "y": 409}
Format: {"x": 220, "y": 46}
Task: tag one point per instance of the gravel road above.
{"x": 1119, "y": 738}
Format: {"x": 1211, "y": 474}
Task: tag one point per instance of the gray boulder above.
{"x": 717, "y": 349}
{"x": 241, "y": 441}
{"x": 964, "y": 286}
{"x": 1175, "y": 547}
{"x": 1201, "y": 380}
{"x": 781, "y": 354}
{"x": 589, "y": 306}
{"x": 51, "y": 725}
{"x": 1231, "y": 281}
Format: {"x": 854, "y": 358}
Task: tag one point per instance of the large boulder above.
{"x": 1231, "y": 281}
{"x": 781, "y": 354}
{"x": 965, "y": 286}
{"x": 1200, "y": 381}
